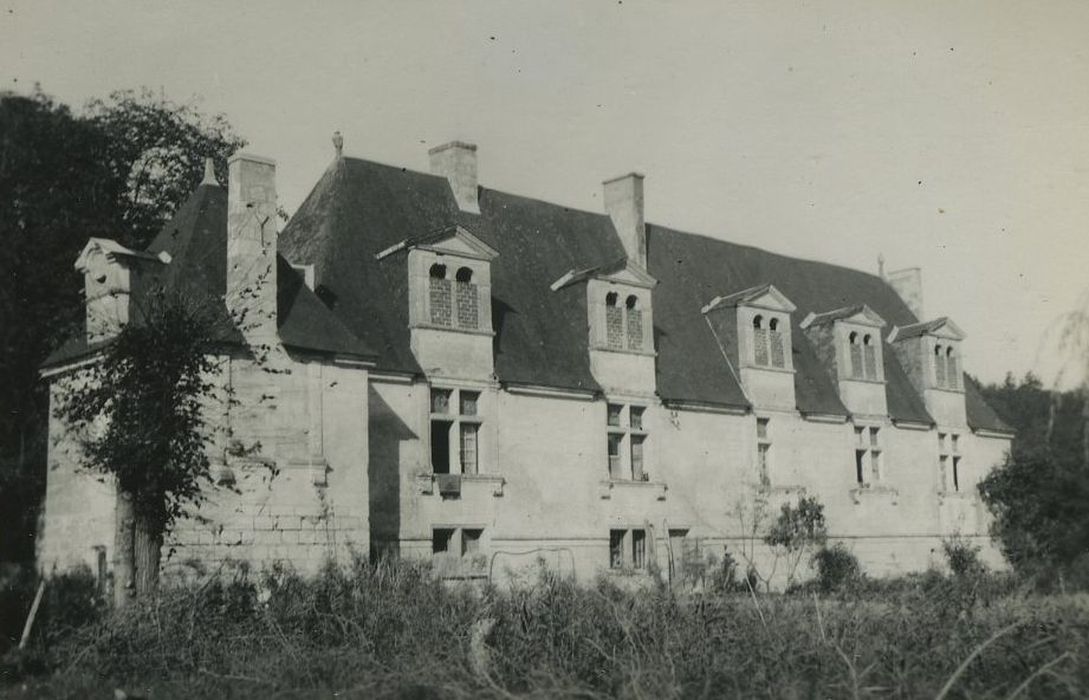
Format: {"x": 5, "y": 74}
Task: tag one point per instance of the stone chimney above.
{"x": 456, "y": 161}
{"x": 251, "y": 248}
{"x": 624, "y": 205}
{"x": 908, "y": 283}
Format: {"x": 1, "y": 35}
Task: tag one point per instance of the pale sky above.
{"x": 953, "y": 136}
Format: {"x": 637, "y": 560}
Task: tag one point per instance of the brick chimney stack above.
{"x": 251, "y": 248}
{"x": 908, "y": 283}
{"x": 456, "y": 161}
{"x": 624, "y": 205}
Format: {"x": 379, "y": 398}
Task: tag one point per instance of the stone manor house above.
{"x": 437, "y": 369}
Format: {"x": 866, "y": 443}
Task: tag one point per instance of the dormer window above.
{"x": 618, "y": 308}
{"x": 931, "y": 352}
{"x": 449, "y": 280}
{"x": 848, "y": 341}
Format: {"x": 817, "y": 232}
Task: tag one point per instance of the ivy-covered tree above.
{"x": 139, "y": 410}
{"x": 117, "y": 169}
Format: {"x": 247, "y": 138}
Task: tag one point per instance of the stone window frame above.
{"x": 458, "y": 420}
{"x": 869, "y": 451}
{"x": 950, "y": 460}
{"x": 628, "y": 549}
{"x": 764, "y": 450}
{"x": 626, "y": 427}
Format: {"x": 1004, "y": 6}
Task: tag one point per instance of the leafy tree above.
{"x": 1040, "y": 495}
{"x": 118, "y": 170}
{"x": 798, "y": 529}
{"x": 139, "y": 411}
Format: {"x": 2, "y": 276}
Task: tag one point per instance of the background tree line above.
{"x": 118, "y": 168}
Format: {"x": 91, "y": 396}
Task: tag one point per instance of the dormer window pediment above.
{"x": 449, "y": 280}
{"x": 763, "y": 326}
{"x": 849, "y": 341}
{"x": 618, "y": 298}
{"x": 936, "y": 345}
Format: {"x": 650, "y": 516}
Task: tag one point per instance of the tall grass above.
{"x": 393, "y": 630}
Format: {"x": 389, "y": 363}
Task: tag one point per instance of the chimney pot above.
{"x": 456, "y": 161}
{"x": 624, "y": 205}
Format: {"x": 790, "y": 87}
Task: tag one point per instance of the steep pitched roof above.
{"x": 195, "y": 242}
{"x": 360, "y": 208}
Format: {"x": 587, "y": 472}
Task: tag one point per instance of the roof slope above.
{"x": 360, "y": 208}
{"x": 196, "y": 239}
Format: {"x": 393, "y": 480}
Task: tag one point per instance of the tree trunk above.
{"x": 124, "y": 564}
{"x": 148, "y": 548}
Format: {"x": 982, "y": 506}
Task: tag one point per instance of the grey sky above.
{"x": 948, "y": 135}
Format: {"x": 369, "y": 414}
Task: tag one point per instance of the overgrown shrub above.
{"x": 391, "y": 629}
{"x": 962, "y": 557}
{"x": 837, "y": 568}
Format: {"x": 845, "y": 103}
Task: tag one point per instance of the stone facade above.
{"x": 457, "y": 455}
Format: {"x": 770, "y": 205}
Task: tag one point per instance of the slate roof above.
{"x": 196, "y": 240}
{"x": 360, "y": 208}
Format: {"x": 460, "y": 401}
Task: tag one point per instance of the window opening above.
{"x": 763, "y": 451}
{"x": 455, "y": 431}
{"x": 939, "y": 365}
{"x": 470, "y": 541}
{"x": 639, "y": 548}
{"x": 775, "y": 339}
{"x": 759, "y": 341}
{"x": 869, "y": 352}
{"x": 856, "y": 355}
{"x": 440, "y": 301}
{"x": 441, "y": 538}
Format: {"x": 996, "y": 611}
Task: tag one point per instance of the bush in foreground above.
{"x": 392, "y": 630}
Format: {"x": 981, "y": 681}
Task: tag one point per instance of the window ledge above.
{"x": 624, "y": 351}
{"x": 957, "y": 495}
{"x": 608, "y": 485}
{"x": 862, "y": 380}
{"x": 453, "y": 329}
{"x": 875, "y": 491}
{"x": 425, "y": 482}
{"x": 784, "y": 490}
{"x": 769, "y": 368}
{"x": 628, "y": 572}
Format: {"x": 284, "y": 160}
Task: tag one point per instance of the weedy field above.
{"x": 392, "y": 630}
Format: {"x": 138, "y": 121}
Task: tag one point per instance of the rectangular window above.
{"x": 775, "y": 340}
{"x": 441, "y": 539}
{"x": 616, "y": 549}
{"x": 615, "y": 467}
{"x": 949, "y": 460}
{"x": 763, "y": 451}
{"x": 637, "y": 457}
{"x": 469, "y": 448}
{"x": 867, "y": 455}
{"x": 856, "y": 359}
{"x": 469, "y": 401}
{"x": 455, "y": 431}
{"x": 638, "y": 548}
{"x": 440, "y": 400}
{"x": 627, "y": 442}
{"x": 440, "y": 446}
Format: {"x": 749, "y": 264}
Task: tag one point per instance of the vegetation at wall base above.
{"x": 391, "y": 629}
